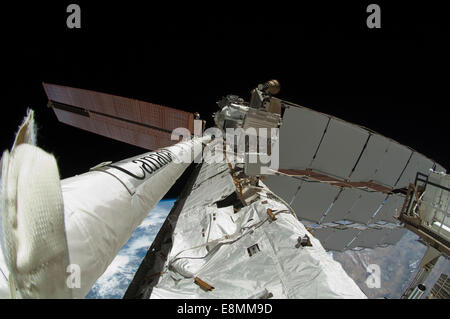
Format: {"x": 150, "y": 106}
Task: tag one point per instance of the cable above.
{"x": 249, "y": 228}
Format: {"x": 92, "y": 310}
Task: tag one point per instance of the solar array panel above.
{"x": 335, "y": 157}
{"x": 395, "y": 160}
{"x": 338, "y": 171}
{"x": 300, "y": 135}
{"x": 370, "y": 163}
{"x": 365, "y": 207}
{"x": 342, "y": 205}
{"x": 131, "y": 121}
{"x": 340, "y": 239}
{"x": 386, "y": 213}
{"x": 313, "y": 200}
{"x": 286, "y": 187}
{"x": 370, "y": 159}
{"x": 370, "y": 238}
{"x": 325, "y": 144}
{"x": 417, "y": 163}
{"x": 394, "y": 236}
{"x": 337, "y": 239}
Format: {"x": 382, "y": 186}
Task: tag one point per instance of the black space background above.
{"x": 394, "y": 80}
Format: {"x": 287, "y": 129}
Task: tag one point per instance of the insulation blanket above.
{"x": 246, "y": 254}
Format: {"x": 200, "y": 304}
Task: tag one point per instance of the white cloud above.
{"x": 137, "y": 243}
{"x": 115, "y": 280}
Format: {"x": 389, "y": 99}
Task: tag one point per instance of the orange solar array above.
{"x": 131, "y": 121}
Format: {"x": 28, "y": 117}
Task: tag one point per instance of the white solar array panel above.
{"x": 386, "y": 213}
{"x": 369, "y": 238}
{"x": 312, "y": 140}
{"x": 284, "y": 186}
{"x": 394, "y": 236}
{"x": 349, "y": 238}
{"x": 324, "y": 144}
{"x": 341, "y": 146}
{"x": 343, "y": 204}
{"x": 313, "y": 200}
{"x": 332, "y": 147}
{"x": 371, "y": 158}
{"x": 365, "y": 207}
{"x": 323, "y": 234}
{"x": 300, "y": 135}
{"x": 417, "y": 163}
{"x": 335, "y": 239}
{"x": 394, "y": 162}
{"x": 439, "y": 168}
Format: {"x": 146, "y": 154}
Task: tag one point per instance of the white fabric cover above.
{"x": 101, "y": 214}
{"x": 4, "y": 274}
{"x": 279, "y": 267}
{"x": 34, "y": 245}
{"x": 212, "y": 244}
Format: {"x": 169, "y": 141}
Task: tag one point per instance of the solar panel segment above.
{"x": 131, "y": 121}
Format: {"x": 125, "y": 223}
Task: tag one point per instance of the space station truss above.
{"x": 131, "y": 121}
{"x": 426, "y": 210}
